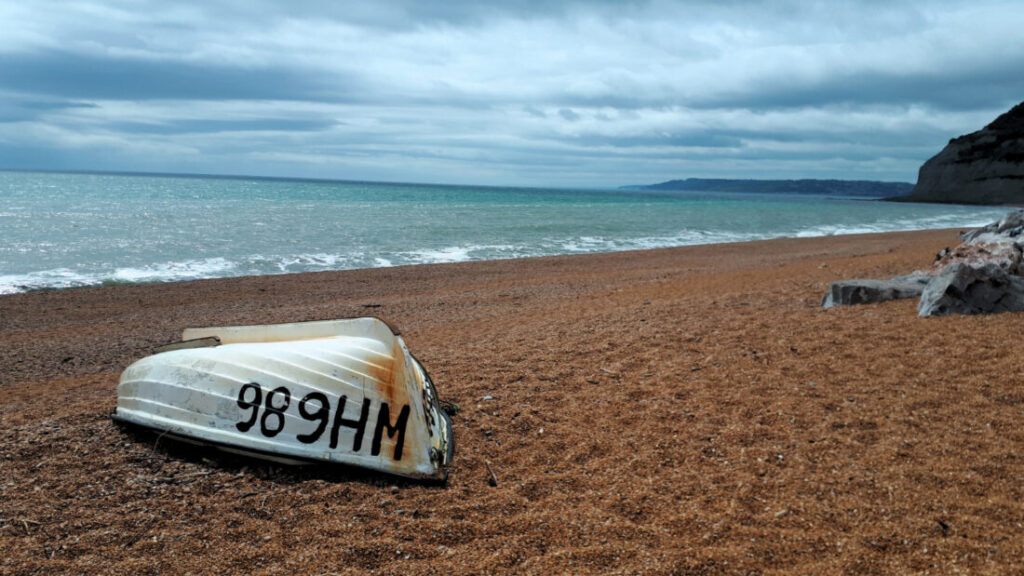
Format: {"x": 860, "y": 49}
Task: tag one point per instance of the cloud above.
{"x": 17, "y": 107}
{"x": 519, "y": 92}
{"x": 65, "y": 75}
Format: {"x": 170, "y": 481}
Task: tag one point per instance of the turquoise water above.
{"x": 60, "y": 230}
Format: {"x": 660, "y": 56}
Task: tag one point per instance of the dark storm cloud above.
{"x": 16, "y": 108}
{"x": 60, "y": 74}
{"x": 214, "y": 126}
{"x": 978, "y": 88}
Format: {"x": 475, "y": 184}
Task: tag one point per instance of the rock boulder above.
{"x": 862, "y": 291}
{"x": 972, "y": 289}
{"x": 1006, "y": 254}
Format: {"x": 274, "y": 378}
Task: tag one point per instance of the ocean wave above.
{"x": 899, "y": 224}
{"x": 442, "y": 255}
{"x": 303, "y": 262}
{"x": 170, "y": 271}
{"x": 43, "y": 279}
{"x": 363, "y": 257}
{"x": 59, "y": 278}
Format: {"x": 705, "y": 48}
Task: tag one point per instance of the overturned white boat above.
{"x": 341, "y": 391}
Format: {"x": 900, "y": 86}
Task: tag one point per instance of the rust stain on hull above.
{"x": 286, "y": 407}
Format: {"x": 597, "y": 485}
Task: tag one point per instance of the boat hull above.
{"x": 343, "y": 391}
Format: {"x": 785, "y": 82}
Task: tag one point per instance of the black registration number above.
{"x": 268, "y": 411}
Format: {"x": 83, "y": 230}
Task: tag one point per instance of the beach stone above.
{"x": 1003, "y": 253}
{"x": 864, "y": 291}
{"x": 972, "y": 289}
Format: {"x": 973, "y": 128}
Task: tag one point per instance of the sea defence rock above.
{"x": 984, "y": 274}
{"x": 1008, "y": 227}
{"x": 983, "y": 167}
{"x": 1000, "y": 243}
{"x": 1005, "y": 254}
{"x": 863, "y": 291}
{"x": 972, "y": 289}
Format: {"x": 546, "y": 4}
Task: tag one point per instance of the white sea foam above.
{"x": 163, "y": 272}
{"x": 441, "y": 255}
{"x": 171, "y": 271}
{"x": 306, "y": 262}
{"x": 901, "y": 224}
{"x": 588, "y": 244}
{"x": 818, "y": 231}
{"x": 592, "y": 244}
{"x": 57, "y": 278}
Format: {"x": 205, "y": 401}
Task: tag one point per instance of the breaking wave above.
{"x": 255, "y": 265}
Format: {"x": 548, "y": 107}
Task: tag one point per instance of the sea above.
{"x": 67, "y": 230}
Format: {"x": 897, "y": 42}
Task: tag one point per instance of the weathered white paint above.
{"x": 205, "y": 393}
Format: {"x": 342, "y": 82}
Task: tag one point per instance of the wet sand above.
{"x": 679, "y": 411}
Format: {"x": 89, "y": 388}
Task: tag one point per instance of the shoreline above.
{"x": 688, "y": 409}
{"x": 219, "y": 294}
{"x": 109, "y": 283}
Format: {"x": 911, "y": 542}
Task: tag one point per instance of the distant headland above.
{"x": 983, "y": 167}
{"x": 853, "y": 188}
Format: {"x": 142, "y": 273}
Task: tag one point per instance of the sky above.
{"x": 518, "y": 93}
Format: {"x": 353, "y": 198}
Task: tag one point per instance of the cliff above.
{"x": 984, "y": 167}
